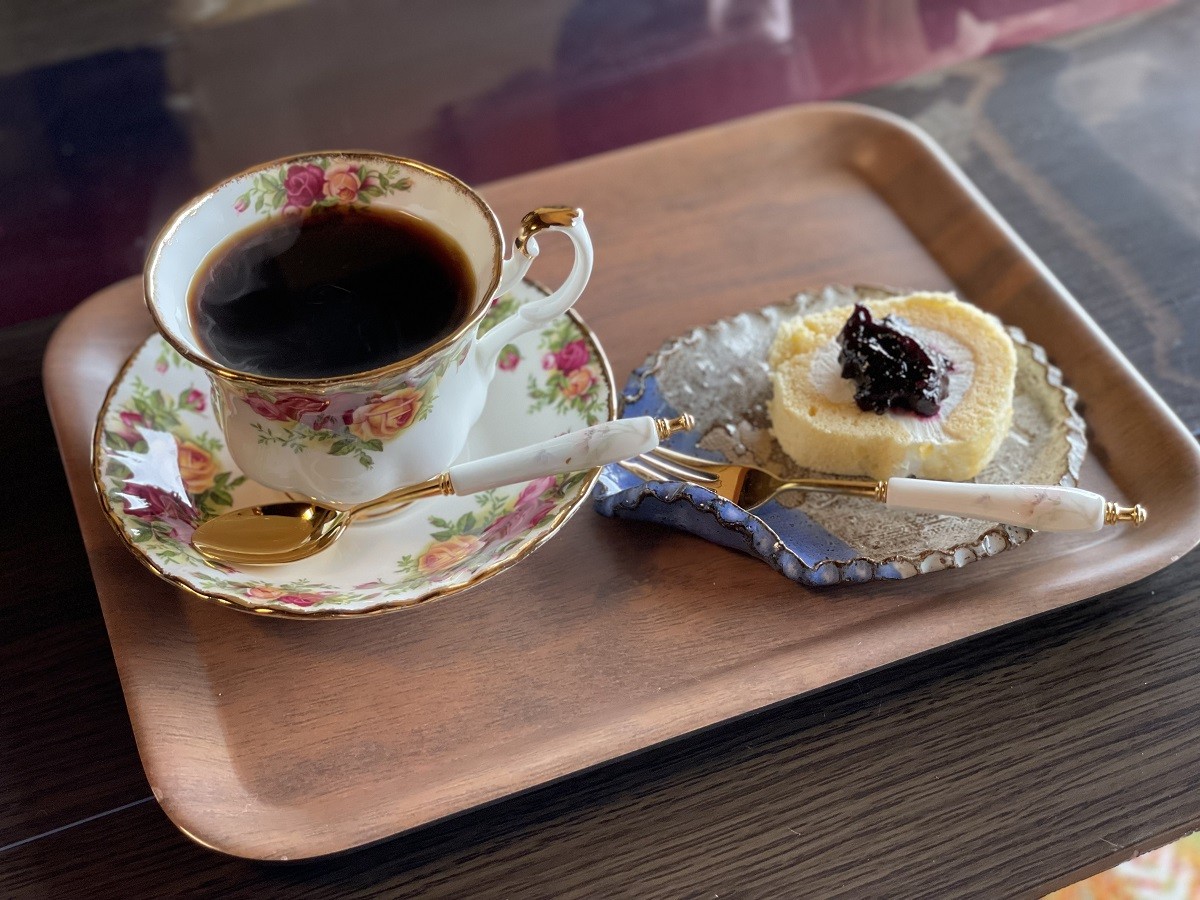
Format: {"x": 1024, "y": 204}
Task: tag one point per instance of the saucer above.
{"x": 719, "y": 374}
{"x": 161, "y": 468}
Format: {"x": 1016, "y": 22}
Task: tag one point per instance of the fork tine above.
{"x": 682, "y": 459}
{"x": 679, "y": 471}
{"x": 673, "y": 455}
{"x": 642, "y": 471}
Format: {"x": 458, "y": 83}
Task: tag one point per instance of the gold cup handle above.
{"x": 566, "y": 220}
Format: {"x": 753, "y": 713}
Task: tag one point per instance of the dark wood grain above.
{"x": 939, "y": 771}
{"x": 65, "y": 746}
{"x": 998, "y": 767}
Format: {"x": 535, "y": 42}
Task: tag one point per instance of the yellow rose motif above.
{"x": 342, "y": 184}
{"x": 442, "y": 555}
{"x": 265, "y": 593}
{"x": 388, "y": 416}
{"x": 578, "y": 382}
{"x": 196, "y": 467}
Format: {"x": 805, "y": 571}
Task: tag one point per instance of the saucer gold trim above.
{"x": 560, "y": 519}
{"x": 167, "y": 235}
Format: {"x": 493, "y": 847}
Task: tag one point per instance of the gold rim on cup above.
{"x": 168, "y": 232}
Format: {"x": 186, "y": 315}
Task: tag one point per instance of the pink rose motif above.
{"x": 293, "y": 407}
{"x": 262, "y": 406}
{"x": 536, "y": 488}
{"x": 195, "y": 400}
{"x": 301, "y": 599}
{"x": 130, "y": 422}
{"x": 342, "y": 183}
{"x": 571, "y": 357}
{"x": 517, "y": 522}
{"x": 510, "y": 356}
{"x": 303, "y": 184}
{"x": 160, "y": 366}
{"x": 241, "y": 204}
{"x": 528, "y": 511}
{"x": 286, "y": 408}
{"x": 146, "y": 501}
{"x": 549, "y": 362}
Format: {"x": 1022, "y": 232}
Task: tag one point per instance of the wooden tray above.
{"x": 281, "y": 740}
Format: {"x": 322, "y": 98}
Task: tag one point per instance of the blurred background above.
{"x": 114, "y": 113}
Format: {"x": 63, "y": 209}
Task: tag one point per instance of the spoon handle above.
{"x": 597, "y": 445}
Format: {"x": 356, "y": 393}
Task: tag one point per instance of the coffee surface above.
{"x": 334, "y": 292}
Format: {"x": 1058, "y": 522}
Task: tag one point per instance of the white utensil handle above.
{"x": 1036, "y": 506}
{"x": 598, "y": 445}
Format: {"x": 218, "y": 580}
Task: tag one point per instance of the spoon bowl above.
{"x": 269, "y": 534}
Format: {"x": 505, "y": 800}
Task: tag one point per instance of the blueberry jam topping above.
{"x": 890, "y": 366}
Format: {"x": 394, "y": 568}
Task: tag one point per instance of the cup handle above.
{"x": 538, "y": 313}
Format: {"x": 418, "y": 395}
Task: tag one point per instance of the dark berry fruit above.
{"x": 890, "y": 366}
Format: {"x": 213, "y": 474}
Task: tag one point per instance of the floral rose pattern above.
{"x": 441, "y": 555}
{"x": 388, "y": 416}
{"x": 573, "y": 384}
{"x": 341, "y": 424}
{"x": 303, "y": 185}
{"x": 284, "y": 407}
{"x": 510, "y": 358}
{"x": 342, "y": 183}
{"x": 320, "y": 183}
{"x": 197, "y": 467}
{"x": 164, "y": 469}
{"x": 473, "y": 541}
{"x": 160, "y": 519}
{"x": 480, "y": 536}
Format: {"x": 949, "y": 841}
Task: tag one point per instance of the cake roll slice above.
{"x": 818, "y": 422}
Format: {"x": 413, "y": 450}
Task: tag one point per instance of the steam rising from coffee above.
{"x": 334, "y": 292}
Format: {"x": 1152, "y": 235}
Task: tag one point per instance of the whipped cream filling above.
{"x": 825, "y": 376}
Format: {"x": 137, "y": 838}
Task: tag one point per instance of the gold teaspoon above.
{"x": 285, "y": 532}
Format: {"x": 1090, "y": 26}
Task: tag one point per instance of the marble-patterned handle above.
{"x": 598, "y": 445}
{"x": 1040, "y": 507}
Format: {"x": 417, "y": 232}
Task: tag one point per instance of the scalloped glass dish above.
{"x": 719, "y": 374}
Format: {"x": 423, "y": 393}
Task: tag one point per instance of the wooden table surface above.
{"x": 1035, "y": 755}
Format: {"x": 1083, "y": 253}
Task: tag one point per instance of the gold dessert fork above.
{"x": 1041, "y": 507}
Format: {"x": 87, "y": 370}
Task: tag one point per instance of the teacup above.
{"x": 349, "y": 439}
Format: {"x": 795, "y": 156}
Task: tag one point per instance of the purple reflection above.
{"x": 98, "y": 151}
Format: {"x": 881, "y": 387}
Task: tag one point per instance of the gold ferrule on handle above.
{"x": 438, "y": 485}
{"x": 542, "y": 218}
{"x": 1113, "y": 514}
{"x": 667, "y": 427}
{"x": 875, "y": 490}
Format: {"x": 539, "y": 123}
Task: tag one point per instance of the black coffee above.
{"x": 336, "y": 291}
